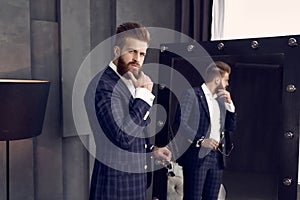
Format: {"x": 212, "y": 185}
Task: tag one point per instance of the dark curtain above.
{"x": 194, "y": 18}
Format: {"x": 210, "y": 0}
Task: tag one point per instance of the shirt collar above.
{"x": 114, "y": 67}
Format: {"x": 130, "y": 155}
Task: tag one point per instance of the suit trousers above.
{"x": 204, "y": 181}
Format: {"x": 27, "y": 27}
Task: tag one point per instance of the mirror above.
{"x": 264, "y": 163}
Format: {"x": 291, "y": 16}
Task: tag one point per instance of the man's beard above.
{"x": 123, "y": 68}
{"x": 219, "y": 87}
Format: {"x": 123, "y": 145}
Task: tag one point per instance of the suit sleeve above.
{"x": 121, "y": 119}
{"x": 186, "y": 118}
{"x": 230, "y": 121}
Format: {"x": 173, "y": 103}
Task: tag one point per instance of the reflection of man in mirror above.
{"x": 121, "y": 101}
{"x": 203, "y": 161}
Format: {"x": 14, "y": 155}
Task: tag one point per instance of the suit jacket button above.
{"x": 145, "y": 167}
{"x": 145, "y": 146}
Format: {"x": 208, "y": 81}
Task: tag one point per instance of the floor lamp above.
{"x": 22, "y": 110}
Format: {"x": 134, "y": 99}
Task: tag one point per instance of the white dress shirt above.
{"x": 214, "y": 112}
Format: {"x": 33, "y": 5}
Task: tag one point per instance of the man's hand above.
{"x": 143, "y": 81}
{"x": 222, "y": 93}
{"x": 210, "y": 143}
{"x": 162, "y": 153}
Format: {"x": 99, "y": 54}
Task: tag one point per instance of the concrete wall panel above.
{"x": 48, "y": 146}
{"x": 14, "y": 39}
{"x": 15, "y": 63}
{"x": 75, "y": 45}
{"x": 44, "y": 10}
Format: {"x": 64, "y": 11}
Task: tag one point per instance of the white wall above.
{"x": 261, "y": 18}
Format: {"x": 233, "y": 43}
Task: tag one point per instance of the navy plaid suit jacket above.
{"x": 195, "y": 159}
{"x": 116, "y": 119}
{"x": 193, "y": 129}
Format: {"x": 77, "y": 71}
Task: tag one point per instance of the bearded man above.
{"x": 208, "y": 134}
{"x": 122, "y": 101}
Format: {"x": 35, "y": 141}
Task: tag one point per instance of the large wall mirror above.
{"x": 263, "y": 83}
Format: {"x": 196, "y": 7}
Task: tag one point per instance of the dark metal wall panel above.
{"x": 48, "y": 146}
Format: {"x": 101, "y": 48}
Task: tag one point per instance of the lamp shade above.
{"x": 22, "y": 108}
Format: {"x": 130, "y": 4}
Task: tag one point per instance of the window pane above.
{"x": 257, "y": 18}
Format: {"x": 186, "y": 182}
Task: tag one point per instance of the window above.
{"x": 257, "y": 18}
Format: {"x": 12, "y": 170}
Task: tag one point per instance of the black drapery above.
{"x": 194, "y": 18}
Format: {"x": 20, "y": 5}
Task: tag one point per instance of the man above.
{"x": 203, "y": 161}
{"x": 122, "y": 102}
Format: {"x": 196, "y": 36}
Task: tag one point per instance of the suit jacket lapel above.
{"x": 124, "y": 89}
{"x": 119, "y": 83}
{"x": 203, "y": 102}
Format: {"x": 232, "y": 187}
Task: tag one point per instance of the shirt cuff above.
{"x": 144, "y": 94}
{"x": 230, "y": 107}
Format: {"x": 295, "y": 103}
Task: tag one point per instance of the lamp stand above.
{"x": 7, "y": 169}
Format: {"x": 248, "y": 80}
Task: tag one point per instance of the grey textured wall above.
{"x": 48, "y": 146}
{"x": 15, "y": 63}
{"x": 48, "y": 39}
{"x": 75, "y": 45}
{"x": 30, "y": 49}
{"x": 15, "y": 39}
{"x": 152, "y": 13}
{"x": 48, "y": 179}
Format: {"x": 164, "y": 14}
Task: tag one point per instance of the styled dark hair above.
{"x": 217, "y": 68}
{"x": 132, "y": 30}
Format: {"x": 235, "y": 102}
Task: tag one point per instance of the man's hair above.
{"x": 132, "y": 30}
{"x": 217, "y": 68}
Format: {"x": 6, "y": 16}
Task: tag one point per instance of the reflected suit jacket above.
{"x": 194, "y": 119}
{"x": 119, "y": 128}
